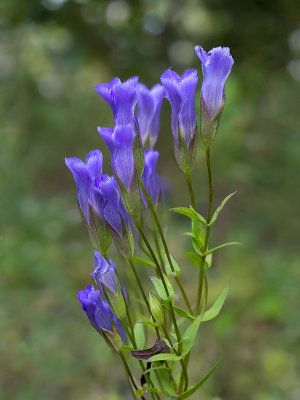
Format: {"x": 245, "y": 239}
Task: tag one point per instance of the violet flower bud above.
{"x": 105, "y": 275}
{"x": 216, "y": 67}
{"x": 84, "y": 175}
{"x": 91, "y": 206}
{"x": 180, "y": 91}
{"x": 106, "y": 193}
{"x": 121, "y": 97}
{"x": 150, "y": 177}
{"x": 119, "y": 141}
{"x": 99, "y": 313}
{"x": 149, "y": 111}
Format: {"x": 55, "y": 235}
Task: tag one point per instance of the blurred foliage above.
{"x": 52, "y": 54}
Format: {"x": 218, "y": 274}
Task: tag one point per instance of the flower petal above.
{"x": 83, "y": 182}
{"x": 216, "y": 66}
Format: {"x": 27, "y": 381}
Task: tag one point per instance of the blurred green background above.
{"x": 52, "y": 54}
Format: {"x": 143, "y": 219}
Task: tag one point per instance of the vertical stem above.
{"x": 190, "y": 187}
{"x": 172, "y": 313}
{"x": 142, "y": 292}
{"x": 208, "y": 218}
{"x": 129, "y": 374}
{"x": 152, "y": 208}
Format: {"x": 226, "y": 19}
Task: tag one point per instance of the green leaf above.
{"x": 189, "y": 336}
{"x": 198, "y": 235}
{"x": 183, "y": 313}
{"x": 155, "y": 367}
{"x": 161, "y": 289}
{"x": 195, "y": 258}
{"x": 127, "y": 348}
{"x": 218, "y": 210}
{"x": 143, "y": 262}
{"x": 189, "y": 212}
{"x": 139, "y": 392}
{"x": 219, "y": 247}
{"x": 151, "y": 323}
{"x": 175, "y": 266}
{"x": 214, "y": 310}
{"x": 172, "y": 398}
{"x": 165, "y": 381}
{"x": 208, "y": 261}
{"x": 165, "y": 357}
{"x": 139, "y": 335}
{"x": 193, "y": 389}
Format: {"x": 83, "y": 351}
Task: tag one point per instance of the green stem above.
{"x": 129, "y": 374}
{"x": 172, "y": 313}
{"x": 152, "y": 208}
{"x": 207, "y": 232}
{"x": 190, "y": 187}
{"x": 142, "y": 292}
{"x": 205, "y": 295}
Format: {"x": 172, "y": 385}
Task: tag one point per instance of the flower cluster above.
{"x": 112, "y": 207}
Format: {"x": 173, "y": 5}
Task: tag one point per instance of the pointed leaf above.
{"x": 218, "y": 210}
{"x": 175, "y": 266}
{"x": 183, "y": 313}
{"x": 189, "y": 212}
{"x": 155, "y": 368}
{"x": 189, "y": 336}
{"x": 139, "y": 335}
{"x": 164, "y": 378}
{"x": 165, "y": 357}
{"x": 219, "y": 247}
{"x": 159, "y": 286}
{"x": 143, "y": 262}
{"x": 208, "y": 261}
{"x": 193, "y": 389}
{"x": 214, "y": 310}
{"x": 198, "y": 235}
{"x": 195, "y": 258}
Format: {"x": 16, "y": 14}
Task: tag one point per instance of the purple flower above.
{"x": 84, "y": 175}
{"x": 105, "y": 274}
{"x": 122, "y": 98}
{"x": 119, "y": 141}
{"x": 216, "y": 66}
{"x": 98, "y": 312}
{"x": 180, "y": 91}
{"x": 150, "y": 177}
{"x": 106, "y": 195}
{"x": 149, "y": 111}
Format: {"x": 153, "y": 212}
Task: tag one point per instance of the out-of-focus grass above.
{"x": 52, "y": 54}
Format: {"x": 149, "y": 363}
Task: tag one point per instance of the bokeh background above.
{"x": 52, "y": 54}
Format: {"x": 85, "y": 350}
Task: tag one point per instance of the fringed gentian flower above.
{"x": 119, "y": 141}
{"x": 150, "y": 177}
{"x": 90, "y": 206}
{"x": 122, "y": 98}
{"x": 99, "y": 313}
{"x": 106, "y": 194}
{"x": 105, "y": 275}
{"x": 84, "y": 175}
{"x": 149, "y": 110}
{"x": 216, "y": 66}
{"x": 180, "y": 91}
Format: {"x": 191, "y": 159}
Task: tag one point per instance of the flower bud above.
{"x": 156, "y": 309}
{"x": 216, "y": 67}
